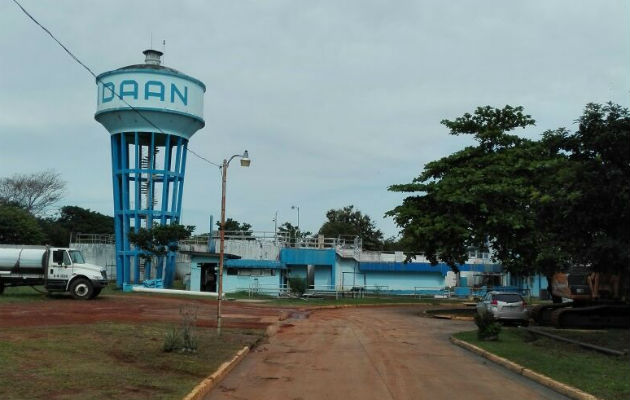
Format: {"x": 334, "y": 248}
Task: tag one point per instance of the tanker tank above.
{"x": 22, "y": 260}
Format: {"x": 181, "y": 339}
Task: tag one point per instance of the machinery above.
{"x": 58, "y": 269}
{"x": 587, "y": 299}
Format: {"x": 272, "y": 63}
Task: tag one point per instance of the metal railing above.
{"x": 77, "y": 237}
{"x": 431, "y": 292}
{"x": 283, "y": 239}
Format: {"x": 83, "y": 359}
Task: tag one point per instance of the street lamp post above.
{"x": 245, "y": 161}
{"x": 297, "y": 231}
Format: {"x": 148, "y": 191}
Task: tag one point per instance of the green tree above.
{"x": 350, "y": 222}
{"x": 233, "y": 226}
{"x": 160, "y": 239}
{"x": 18, "y": 226}
{"x": 292, "y": 232}
{"x": 484, "y": 196}
{"x": 539, "y": 205}
{"x": 598, "y": 212}
{"x": 82, "y": 220}
{"x": 74, "y": 219}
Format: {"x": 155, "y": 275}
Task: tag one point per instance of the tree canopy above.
{"x": 350, "y": 222}
{"x": 232, "y": 225}
{"x": 539, "y": 205}
{"x": 32, "y": 192}
{"x": 18, "y": 226}
{"x": 74, "y": 219}
{"x": 292, "y": 232}
{"x": 159, "y": 239}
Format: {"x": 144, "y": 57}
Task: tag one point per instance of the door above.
{"x": 59, "y": 270}
{"x": 310, "y": 276}
{"x": 208, "y": 277}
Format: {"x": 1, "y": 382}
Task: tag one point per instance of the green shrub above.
{"x": 297, "y": 285}
{"x": 489, "y": 328}
{"x": 184, "y": 338}
{"x": 172, "y": 341}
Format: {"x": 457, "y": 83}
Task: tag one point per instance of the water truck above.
{"x": 57, "y": 269}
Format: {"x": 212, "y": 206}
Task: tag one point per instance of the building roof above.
{"x": 424, "y": 267}
{"x": 192, "y": 253}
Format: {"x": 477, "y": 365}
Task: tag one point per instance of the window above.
{"x": 77, "y": 257}
{"x": 232, "y": 271}
{"x": 509, "y": 298}
{"x": 66, "y": 259}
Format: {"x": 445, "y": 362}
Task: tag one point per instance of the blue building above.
{"x": 264, "y": 264}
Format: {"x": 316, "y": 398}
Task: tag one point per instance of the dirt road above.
{"x": 370, "y": 353}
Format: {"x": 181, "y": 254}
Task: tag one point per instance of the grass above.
{"x": 26, "y": 294}
{"x": 108, "y": 360}
{"x": 607, "y": 377}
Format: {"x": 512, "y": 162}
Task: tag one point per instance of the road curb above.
{"x": 205, "y": 386}
{"x": 336, "y": 306}
{"x": 559, "y": 387}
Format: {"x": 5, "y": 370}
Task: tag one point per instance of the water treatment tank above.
{"x": 150, "y": 112}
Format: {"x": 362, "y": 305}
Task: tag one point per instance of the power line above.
{"x": 54, "y": 38}
{"x": 75, "y": 58}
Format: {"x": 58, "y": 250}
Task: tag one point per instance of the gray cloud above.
{"x": 334, "y": 100}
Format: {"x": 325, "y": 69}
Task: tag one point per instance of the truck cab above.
{"x": 67, "y": 271}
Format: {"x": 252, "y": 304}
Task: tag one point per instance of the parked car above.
{"x": 505, "y": 307}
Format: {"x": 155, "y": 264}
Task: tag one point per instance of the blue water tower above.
{"x": 151, "y": 111}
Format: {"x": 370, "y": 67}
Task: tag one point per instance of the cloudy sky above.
{"x": 335, "y": 100}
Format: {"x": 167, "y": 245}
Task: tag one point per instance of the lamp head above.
{"x": 245, "y": 160}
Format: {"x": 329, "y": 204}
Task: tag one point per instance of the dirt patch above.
{"x": 133, "y": 308}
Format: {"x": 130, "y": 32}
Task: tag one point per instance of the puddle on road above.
{"x": 299, "y": 314}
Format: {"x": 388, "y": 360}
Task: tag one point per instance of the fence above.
{"x": 428, "y": 292}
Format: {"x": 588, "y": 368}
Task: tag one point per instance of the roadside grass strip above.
{"x": 603, "y": 376}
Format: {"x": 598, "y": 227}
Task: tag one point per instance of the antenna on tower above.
{"x": 164, "y": 46}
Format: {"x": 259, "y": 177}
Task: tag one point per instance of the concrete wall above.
{"x": 404, "y": 282}
{"x": 348, "y": 274}
{"x": 252, "y": 249}
{"x": 323, "y": 277}
{"x": 234, "y": 283}
{"x": 103, "y": 255}
{"x": 534, "y": 283}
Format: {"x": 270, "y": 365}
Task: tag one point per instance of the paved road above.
{"x": 370, "y": 353}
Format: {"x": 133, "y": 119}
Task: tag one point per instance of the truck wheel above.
{"x": 1, "y": 286}
{"x": 81, "y": 289}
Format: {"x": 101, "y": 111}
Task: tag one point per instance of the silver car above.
{"x": 505, "y": 307}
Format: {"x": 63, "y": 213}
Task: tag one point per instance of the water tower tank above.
{"x": 150, "y": 111}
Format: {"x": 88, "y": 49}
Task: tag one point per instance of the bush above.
{"x": 184, "y": 338}
{"x": 172, "y": 341}
{"x": 297, "y": 285}
{"x": 489, "y": 328}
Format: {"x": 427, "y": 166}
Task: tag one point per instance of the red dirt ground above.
{"x": 133, "y": 308}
